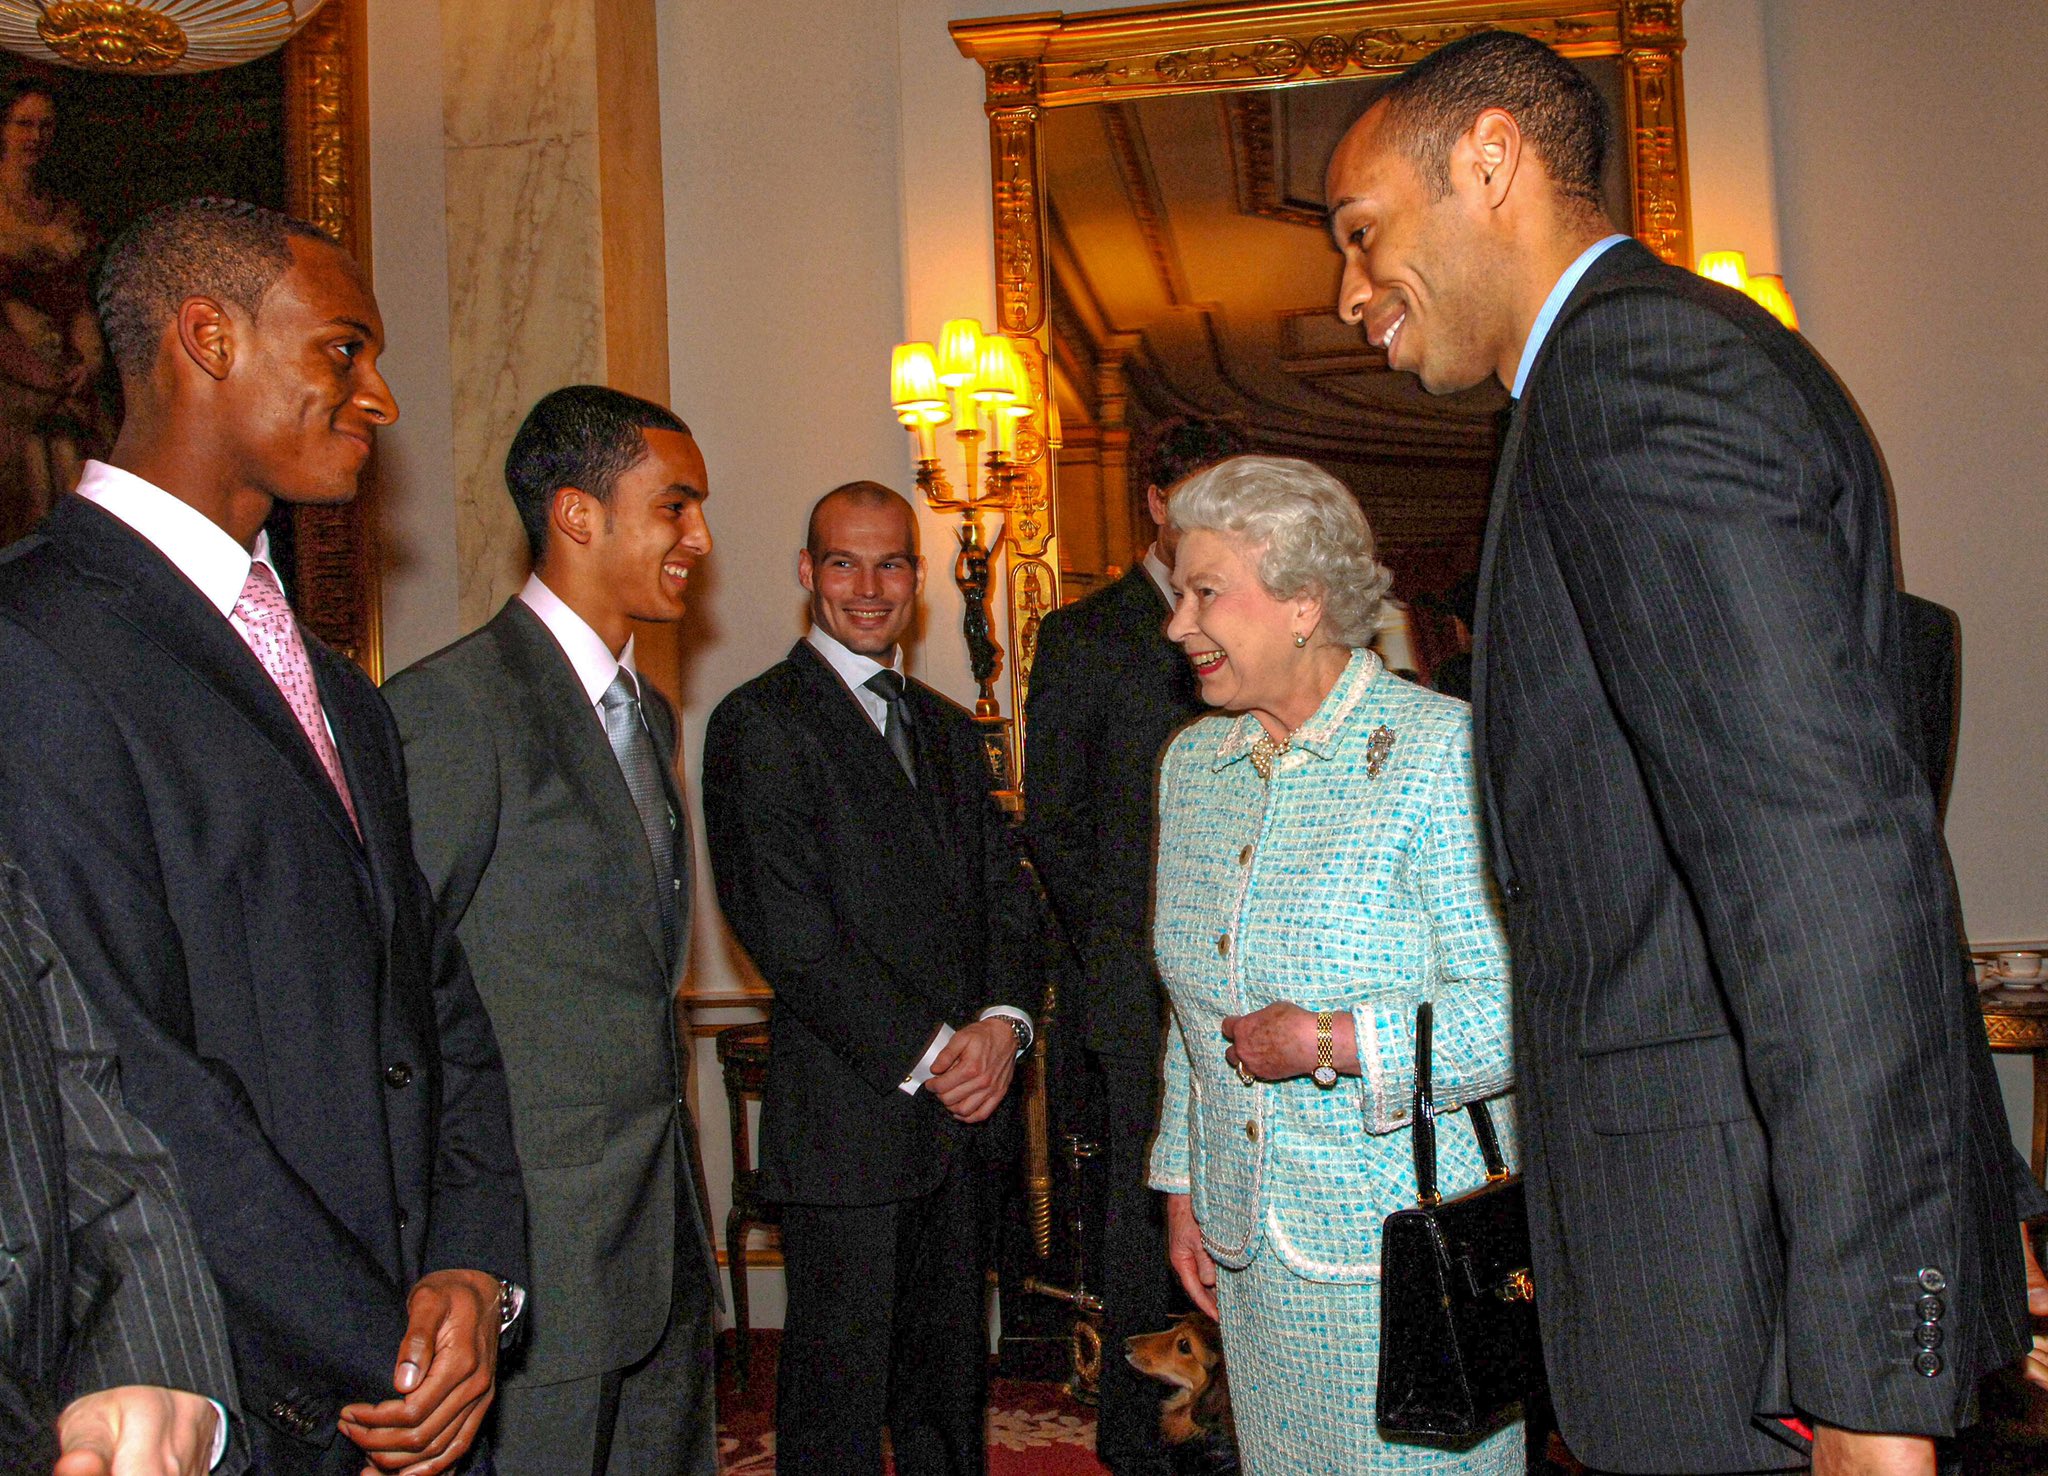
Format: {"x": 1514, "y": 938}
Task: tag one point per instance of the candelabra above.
{"x": 977, "y": 382}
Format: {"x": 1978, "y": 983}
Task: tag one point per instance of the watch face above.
{"x": 1326, "y": 1076}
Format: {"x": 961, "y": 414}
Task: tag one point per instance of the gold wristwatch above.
{"x": 1325, "y": 1074}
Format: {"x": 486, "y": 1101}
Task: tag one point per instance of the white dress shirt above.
{"x": 592, "y": 659}
{"x": 1162, "y": 574}
{"x": 854, "y": 669}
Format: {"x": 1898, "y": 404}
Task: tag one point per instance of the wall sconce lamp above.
{"x": 978, "y": 382}
{"x": 1766, "y": 289}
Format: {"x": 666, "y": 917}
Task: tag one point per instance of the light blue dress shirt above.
{"x": 1554, "y": 304}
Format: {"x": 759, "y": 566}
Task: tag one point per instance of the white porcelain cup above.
{"x": 2021, "y": 969}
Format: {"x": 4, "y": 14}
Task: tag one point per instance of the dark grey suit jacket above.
{"x": 1108, "y": 690}
{"x": 291, "y": 1022}
{"x": 1768, "y": 1169}
{"x": 877, "y": 911}
{"x": 536, "y": 857}
{"x": 101, "y": 1279}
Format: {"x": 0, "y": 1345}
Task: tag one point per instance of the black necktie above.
{"x": 633, "y": 746}
{"x": 888, "y": 686}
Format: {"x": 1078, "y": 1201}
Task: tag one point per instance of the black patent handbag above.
{"x": 1458, "y": 1341}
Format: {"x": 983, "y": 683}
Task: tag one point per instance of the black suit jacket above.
{"x": 291, "y": 1022}
{"x": 1756, "y": 1103}
{"x": 536, "y": 856}
{"x": 1108, "y": 690}
{"x": 877, "y": 911}
{"x": 101, "y": 1279}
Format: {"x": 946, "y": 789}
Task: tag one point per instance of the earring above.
{"x": 1300, "y": 640}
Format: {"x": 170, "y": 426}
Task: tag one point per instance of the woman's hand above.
{"x": 1189, "y": 1257}
{"x": 1279, "y": 1041}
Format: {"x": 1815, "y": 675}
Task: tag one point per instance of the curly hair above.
{"x": 1307, "y": 530}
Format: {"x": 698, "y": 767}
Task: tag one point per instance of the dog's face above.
{"x": 1185, "y": 1355}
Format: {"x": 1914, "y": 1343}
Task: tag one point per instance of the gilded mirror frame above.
{"x": 336, "y": 565}
{"x": 1050, "y": 59}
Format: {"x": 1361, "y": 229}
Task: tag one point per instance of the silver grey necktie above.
{"x": 633, "y": 746}
{"x": 888, "y": 686}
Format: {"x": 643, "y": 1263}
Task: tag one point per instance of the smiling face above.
{"x": 1422, "y": 276}
{"x": 863, "y": 572}
{"x": 303, "y": 394}
{"x": 1239, "y": 639}
{"x": 652, "y": 531}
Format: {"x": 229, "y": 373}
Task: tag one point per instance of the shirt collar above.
{"x": 854, "y": 669}
{"x": 1554, "y": 304}
{"x": 1318, "y": 736}
{"x": 596, "y": 668}
{"x": 197, "y": 546}
{"x": 1162, "y": 575}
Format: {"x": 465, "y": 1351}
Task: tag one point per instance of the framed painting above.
{"x": 82, "y": 154}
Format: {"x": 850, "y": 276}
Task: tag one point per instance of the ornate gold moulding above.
{"x": 1049, "y": 59}
{"x": 150, "y": 37}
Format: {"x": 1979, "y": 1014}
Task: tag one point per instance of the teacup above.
{"x": 2021, "y": 969}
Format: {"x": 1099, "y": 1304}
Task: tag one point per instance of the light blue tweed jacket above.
{"x": 1354, "y": 881}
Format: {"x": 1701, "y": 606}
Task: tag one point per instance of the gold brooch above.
{"x": 1377, "y": 747}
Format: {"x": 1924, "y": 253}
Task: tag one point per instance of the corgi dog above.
{"x": 1194, "y": 1420}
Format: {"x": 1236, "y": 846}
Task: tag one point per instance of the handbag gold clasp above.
{"x": 1519, "y": 1287}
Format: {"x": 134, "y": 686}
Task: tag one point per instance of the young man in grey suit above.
{"x": 1772, "y": 1198}
{"x": 1107, "y": 692}
{"x": 548, "y": 820}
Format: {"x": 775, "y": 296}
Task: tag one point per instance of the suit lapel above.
{"x": 662, "y": 724}
{"x": 146, "y": 590}
{"x": 571, "y": 733}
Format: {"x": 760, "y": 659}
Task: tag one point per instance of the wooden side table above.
{"x": 743, "y": 1058}
{"x": 2017, "y": 1020}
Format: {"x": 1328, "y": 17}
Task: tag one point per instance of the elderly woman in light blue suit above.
{"x": 1319, "y": 874}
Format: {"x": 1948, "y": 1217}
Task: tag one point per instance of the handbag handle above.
{"x": 1424, "y": 1128}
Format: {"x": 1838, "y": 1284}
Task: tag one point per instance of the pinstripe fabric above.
{"x": 1353, "y": 881}
{"x": 1756, "y": 1099}
{"x": 103, "y": 1283}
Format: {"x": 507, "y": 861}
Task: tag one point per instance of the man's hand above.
{"x": 446, "y": 1377}
{"x": 1274, "y": 1043}
{"x": 1189, "y": 1256}
{"x": 2036, "y": 1367}
{"x": 1853, "y": 1453}
{"x": 136, "y": 1430}
{"x": 973, "y": 1072}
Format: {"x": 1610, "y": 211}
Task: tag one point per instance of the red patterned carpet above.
{"x": 1033, "y": 1429}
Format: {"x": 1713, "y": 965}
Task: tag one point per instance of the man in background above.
{"x": 548, "y": 819}
{"x": 1107, "y": 692}
{"x": 864, "y": 865}
{"x": 1771, "y": 1192}
{"x": 211, "y": 807}
{"x": 105, "y": 1301}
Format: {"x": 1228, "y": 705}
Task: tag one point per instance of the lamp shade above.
{"x": 999, "y": 372}
{"x": 914, "y": 378}
{"x": 150, "y": 37}
{"x": 959, "y": 351}
{"x": 1726, "y": 267}
{"x": 1768, "y": 289}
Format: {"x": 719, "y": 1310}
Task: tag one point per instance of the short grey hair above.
{"x": 1307, "y": 530}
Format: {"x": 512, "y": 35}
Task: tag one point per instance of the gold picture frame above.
{"x": 1050, "y": 60}
{"x": 336, "y": 591}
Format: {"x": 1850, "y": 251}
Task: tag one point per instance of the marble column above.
{"x": 556, "y": 262}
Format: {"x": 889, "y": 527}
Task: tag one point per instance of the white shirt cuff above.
{"x": 922, "y": 1071}
{"x": 1011, "y": 1012}
{"x": 220, "y": 1434}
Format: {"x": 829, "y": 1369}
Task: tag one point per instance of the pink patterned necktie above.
{"x": 264, "y": 619}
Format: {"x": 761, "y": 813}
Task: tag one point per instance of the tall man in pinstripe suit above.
{"x": 1771, "y": 1194}
{"x": 105, "y": 1300}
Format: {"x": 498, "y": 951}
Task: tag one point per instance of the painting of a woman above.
{"x": 51, "y": 413}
